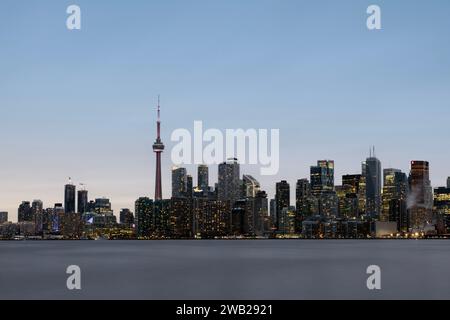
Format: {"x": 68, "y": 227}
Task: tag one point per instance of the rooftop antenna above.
{"x": 374, "y": 152}
{"x": 70, "y": 180}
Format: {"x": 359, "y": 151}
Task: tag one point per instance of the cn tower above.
{"x": 158, "y": 147}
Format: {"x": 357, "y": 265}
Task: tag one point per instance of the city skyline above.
{"x": 81, "y": 103}
{"x": 70, "y": 200}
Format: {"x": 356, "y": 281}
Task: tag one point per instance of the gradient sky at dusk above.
{"x": 82, "y": 103}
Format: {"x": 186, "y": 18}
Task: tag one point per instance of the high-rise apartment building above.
{"x": 24, "y": 212}
{"x": 395, "y": 188}
{"x": 372, "y": 171}
{"x": 229, "y": 183}
{"x": 37, "y": 211}
{"x": 250, "y": 187}
{"x": 69, "y": 197}
{"x": 420, "y": 198}
{"x": 282, "y": 199}
{"x": 82, "y": 201}
{"x": 203, "y": 178}
{"x": 179, "y": 182}
{"x": 144, "y": 210}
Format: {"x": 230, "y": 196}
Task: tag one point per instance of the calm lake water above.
{"x": 260, "y": 269}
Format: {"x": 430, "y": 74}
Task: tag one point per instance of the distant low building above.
{"x": 385, "y": 229}
{"x": 3, "y": 217}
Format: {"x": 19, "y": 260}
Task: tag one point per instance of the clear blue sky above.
{"x": 82, "y": 103}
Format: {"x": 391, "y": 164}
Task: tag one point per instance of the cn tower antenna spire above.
{"x": 158, "y": 148}
{"x": 159, "y": 110}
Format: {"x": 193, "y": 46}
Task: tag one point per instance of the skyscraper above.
{"x": 189, "y": 186}
{"x": 395, "y": 187}
{"x": 24, "y": 212}
{"x": 203, "y": 178}
{"x": 83, "y": 201}
{"x": 181, "y": 224}
{"x": 322, "y": 187}
{"x": 211, "y": 218}
{"x": 69, "y": 197}
{"x": 179, "y": 182}
{"x": 144, "y": 211}
{"x": 448, "y": 182}
{"x": 316, "y": 175}
{"x": 57, "y": 218}
{"x": 420, "y": 198}
{"x": 305, "y": 203}
{"x": 229, "y": 182}
{"x": 162, "y": 217}
{"x": 372, "y": 171}
{"x": 328, "y": 165}
{"x": 158, "y": 148}
{"x": 322, "y": 177}
{"x": 251, "y": 186}
{"x": 37, "y": 211}
{"x": 260, "y": 212}
{"x": 273, "y": 211}
{"x": 348, "y": 201}
{"x": 126, "y": 217}
{"x": 442, "y": 207}
{"x": 282, "y": 200}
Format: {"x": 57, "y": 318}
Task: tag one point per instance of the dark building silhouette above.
{"x": 3, "y": 217}
{"x": 37, "y": 211}
{"x": 126, "y": 217}
{"x": 57, "y": 218}
{"x": 83, "y": 201}
{"x": 273, "y": 211}
{"x": 179, "y": 182}
{"x": 69, "y": 198}
{"x": 282, "y": 199}
{"x": 91, "y": 206}
{"x": 260, "y": 213}
{"x": 189, "y": 186}
{"x": 229, "y": 186}
{"x": 305, "y": 203}
{"x": 371, "y": 169}
{"x": 399, "y": 213}
{"x": 24, "y": 212}
{"x": 203, "y": 178}
{"x": 238, "y": 218}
